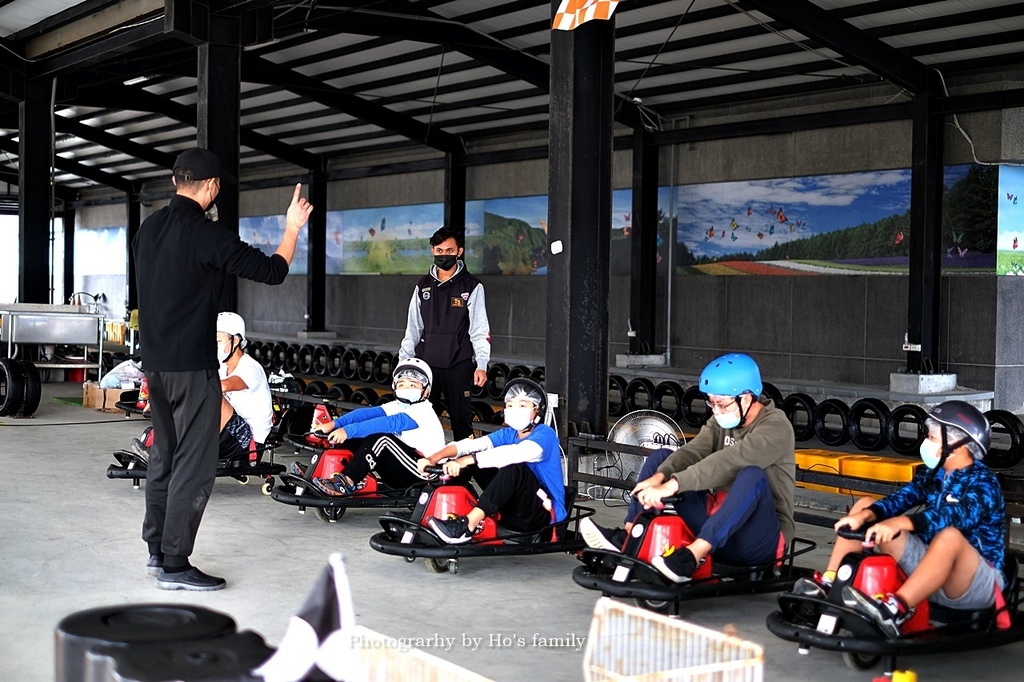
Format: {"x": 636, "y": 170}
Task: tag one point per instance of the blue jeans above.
{"x": 743, "y": 531}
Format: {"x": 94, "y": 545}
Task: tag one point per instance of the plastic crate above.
{"x": 628, "y": 643}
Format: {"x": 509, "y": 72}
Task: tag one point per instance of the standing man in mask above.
{"x": 183, "y": 259}
{"x": 448, "y": 328}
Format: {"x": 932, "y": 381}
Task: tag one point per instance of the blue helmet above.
{"x": 732, "y": 374}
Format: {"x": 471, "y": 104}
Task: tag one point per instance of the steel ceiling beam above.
{"x": 10, "y": 146}
{"x": 115, "y": 142}
{"x": 854, "y": 44}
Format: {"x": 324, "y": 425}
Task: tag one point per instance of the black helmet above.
{"x": 966, "y": 417}
{"x": 522, "y": 387}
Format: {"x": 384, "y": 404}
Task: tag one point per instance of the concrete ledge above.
{"x": 640, "y": 360}
{"x": 921, "y": 383}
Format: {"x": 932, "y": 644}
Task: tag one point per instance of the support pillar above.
{"x": 35, "y": 141}
{"x": 133, "y": 214}
{"x": 316, "y": 263}
{"x": 643, "y": 273}
{"x": 454, "y": 193}
{"x": 218, "y": 121}
{"x": 579, "y": 223}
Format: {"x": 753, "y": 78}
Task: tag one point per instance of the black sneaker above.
{"x": 598, "y": 537}
{"x": 141, "y": 450}
{"x": 677, "y": 564}
{"x": 454, "y": 531}
{"x": 883, "y": 609}
{"x": 155, "y": 564}
{"x": 805, "y": 587}
{"x": 193, "y": 579}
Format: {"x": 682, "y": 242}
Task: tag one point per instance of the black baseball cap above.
{"x": 197, "y": 164}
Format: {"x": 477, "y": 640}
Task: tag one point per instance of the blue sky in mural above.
{"x": 1011, "y": 208}
{"x": 727, "y": 218}
{"x": 264, "y": 232}
{"x": 532, "y": 209}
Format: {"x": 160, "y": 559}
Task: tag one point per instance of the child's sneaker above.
{"x": 296, "y": 468}
{"x": 453, "y": 531}
{"x": 677, "y": 564}
{"x": 598, "y": 537}
{"x": 889, "y": 611}
{"x": 141, "y": 450}
{"x": 808, "y": 587}
{"x": 336, "y": 485}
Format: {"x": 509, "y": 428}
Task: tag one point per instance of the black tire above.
{"x": 364, "y": 396}
{"x": 860, "y": 662}
{"x": 642, "y": 388}
{"x": 320, "y": 356}
{"x": 616, "y": 396}
{"x": 383, "y": 366}
{"x": 334, "y": 361}
{"x": 329, "y": 514}
{"x": 657, "y": 606}
{"x": 435, "y": 565}
{"x": 384, "y": 398}
{"x": 674, "y": 406}
{"x": 1004, "y": 424}
{"x": 255, "y": 351}
{"x": 364, "y": 365}
{"x": 33, "y": 388}
{"x": 305, "y": 361}
{"x": 350, "y": 363}
{"x": 903, "y": 414}
{"x": 12, "y": 387}
{"x": 772, "y": 391}
{"x": 497, "y": 377}
{"x": 267, "y": 355}
{"x": 796, "y": 404}
{"x": 517, "y": 371}
{"x": 695, "y": 418}
{"x": 277, "y": 356}
{"x": 482, "y": 412}
{"x": 537, "y": 374}
{"x": 876, "y": 410}
{"x": 827, "y": 433}
{"x": 339, "y": 392}
{"x": 291, "y": 358}
{"x": 317, "y": 389}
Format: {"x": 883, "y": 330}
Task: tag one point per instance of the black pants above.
{"x": 183, "y": 459}
{"x": 513, "y": 492}
{"x": 454, "y": 383}
{"x": 388, "y": 455}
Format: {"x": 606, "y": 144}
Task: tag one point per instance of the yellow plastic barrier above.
{"x": 822, "y": 462}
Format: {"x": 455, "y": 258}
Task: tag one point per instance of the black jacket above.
{"x": 182, "y": 260}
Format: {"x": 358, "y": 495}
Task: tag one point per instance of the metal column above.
{"x": 35, "y": 141}
{"x": 579, "y": 222}
{"x": 925, "y": 236}
{"x": 218, "y": 123}
{"x": 133, "y": 212}
{"x": 643, "y": 273}
{"x": 68, "y": 219}
{"x": 316, "y": 260}
{"x": 454, "y": 192}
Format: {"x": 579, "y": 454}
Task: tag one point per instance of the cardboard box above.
{"x": 97, "y": 398}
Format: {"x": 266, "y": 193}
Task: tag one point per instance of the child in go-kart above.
{"x": 952, "y": 548}
{"x": 388, "y": 438}
{"x": 528, "y": 480}
{"x": 748, "y": 450}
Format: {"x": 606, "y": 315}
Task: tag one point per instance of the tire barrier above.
{"x": 517, "y": 371}
{"x": 317, "y": 389}
{"x": 538, "y": 374}
{"x": 484, "y": 412}
{"x": 825, "y": 416}
{"x": 267, "y": 355}
{"x": 772, "y": 391}
{"x": 364, "y": 396}
{"x": 695, "y": 418}
{"x": 321, "y": 362}
{"x": 639, "y": 394}
{"x": 12, "y": 387}
{"x": 383, "y": 366}
{"x": 33, "y": 388}
{"x": 277, "y": 355}
{"x": 478, "y": 391}
{"x": 1007, "y": 434}
{"x": 497, "y": 377}
{"x": 874, "y": 410}
{"x": 339, "y": 392}
{"x": 364, "y": 366}
{"x": 668, "y": 399}
{"x": 385, "y": 398}
{"x": 616, "y": 396}
{"x": 291, "y": 357}
{"x": 800, "y": 409}
{"x": 305, "y": 360}
{"x": 350, "y": 363}
{"x": 256, "y": 350}
{"x": 895, "y": 426}
{"x": 334, "y": 362}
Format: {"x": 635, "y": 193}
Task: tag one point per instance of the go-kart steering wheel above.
{"x": 848, "y": 533}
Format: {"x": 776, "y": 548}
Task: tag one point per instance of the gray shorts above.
{"x": 981, "y": 593}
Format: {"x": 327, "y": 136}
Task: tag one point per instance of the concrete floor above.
{"x": 69, "y": 540}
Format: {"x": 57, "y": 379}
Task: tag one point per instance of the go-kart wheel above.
{"x": 329, "y": 514}
{"x": 435, "y": 565}
{"x": 453, "y": 566}
{"x": 657, "y": 606}
{"x": 243, "y": 479}
{"x": 409, "y": 559}
{"x": 267, "y": 487}
{"x": 856, "y": 661}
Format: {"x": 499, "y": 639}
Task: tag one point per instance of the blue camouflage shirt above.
{"x": 968, "y": 499}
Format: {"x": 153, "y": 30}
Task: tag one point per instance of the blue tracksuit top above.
{"x": 549, "y": 469}
{"x": 968, "y": 499}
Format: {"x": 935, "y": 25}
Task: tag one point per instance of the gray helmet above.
{"x": 966, "y": 417}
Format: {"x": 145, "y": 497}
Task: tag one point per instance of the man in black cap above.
{"x": 182, "y": 261}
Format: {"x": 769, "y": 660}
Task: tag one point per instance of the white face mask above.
{"x": 931, "y": 453}
{"x": 222, "y": 355}
{"x": 729, "y": 420}
{"x": 409, "y": 395}
{"x": 518, "y": 417}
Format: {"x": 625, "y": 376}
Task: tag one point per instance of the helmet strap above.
{"x": 948, "y": 448}
{"x": 743, "y": 413}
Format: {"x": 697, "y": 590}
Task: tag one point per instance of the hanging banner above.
{"x": 572, "y": 13}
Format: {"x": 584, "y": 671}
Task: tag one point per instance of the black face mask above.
{"x": 445, "y": 262}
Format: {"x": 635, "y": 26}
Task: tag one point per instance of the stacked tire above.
{"x": 20, "y": 388}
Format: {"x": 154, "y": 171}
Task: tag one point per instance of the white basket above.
{"x": 379, "y": 658}
{"x": 628, "y": 643}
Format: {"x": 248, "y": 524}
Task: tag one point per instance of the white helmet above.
{"x": 232, "y": 324}
{"x": 413, "y": 368}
